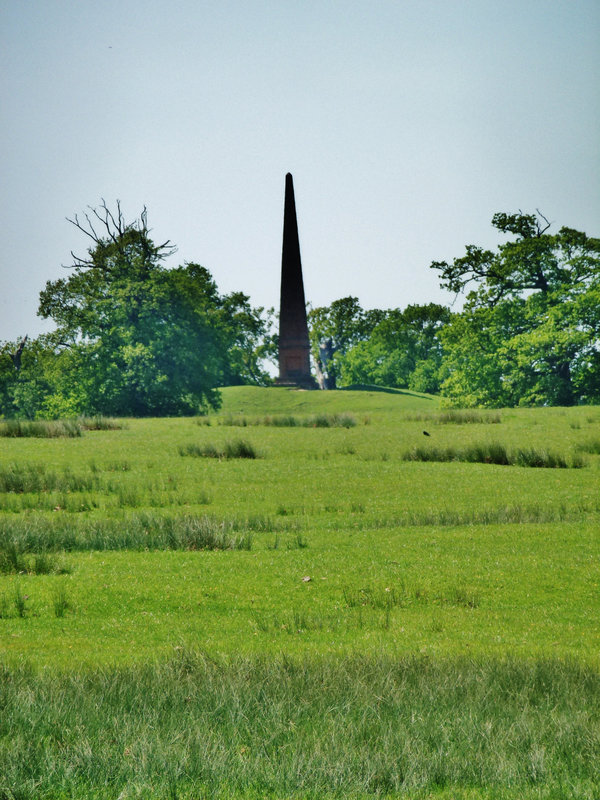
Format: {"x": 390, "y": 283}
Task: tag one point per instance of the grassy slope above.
{"x": 453, "y": 589}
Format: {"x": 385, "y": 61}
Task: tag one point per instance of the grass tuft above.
{"x": 20, "y": 601}
{"x": 238, "y": 448}
{"x": 591, "y": 446}
{"x": 100, "y": 423}
{"x": 21, "y": 478}
{"x": 60, "y": 602}
{"x": 18, "y": 560}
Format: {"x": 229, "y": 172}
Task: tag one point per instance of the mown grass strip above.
{"x": 276, "y": 727}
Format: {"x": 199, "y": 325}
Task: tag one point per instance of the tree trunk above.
{"x": 16, "y": 356}
{"x": 325, "y": 376}
{"x": 565, "y": 395}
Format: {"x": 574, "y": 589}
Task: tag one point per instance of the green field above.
{"x": 335, "y": 616}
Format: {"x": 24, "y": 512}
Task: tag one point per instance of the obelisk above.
{"x": 294, "y": 346}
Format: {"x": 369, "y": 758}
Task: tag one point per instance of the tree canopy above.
{"x": 403, "y": 350}
{"x": 333, "y": 331}
{"x": 530, "y": 330}
{"x": 133, "y": 337}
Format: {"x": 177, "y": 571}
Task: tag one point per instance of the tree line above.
{"x": 134, "y": 338}
{"x": 528, "y": 334}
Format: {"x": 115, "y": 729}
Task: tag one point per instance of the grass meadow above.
{"x": 349, "y": 594}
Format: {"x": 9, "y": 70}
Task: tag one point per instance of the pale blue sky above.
{"x": 406, "y": 125}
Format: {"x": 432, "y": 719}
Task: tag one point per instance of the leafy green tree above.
{"x": 333, "y": 331}
{"x": 403, "y": 350}
{"x": 135, "y": 338}
{"x": 251, "y": 341}
{"x": 530, "y": 329}
{"x": 30, "y": 374}
{"x": 11, "y": 358}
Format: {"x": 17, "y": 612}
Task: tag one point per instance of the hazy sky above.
{"x": 406, "y": 125}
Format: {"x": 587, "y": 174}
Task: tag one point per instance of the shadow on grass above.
{"x": 371, "y": 387}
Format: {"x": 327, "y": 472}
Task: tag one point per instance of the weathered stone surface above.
{"x": 294, "y": 346}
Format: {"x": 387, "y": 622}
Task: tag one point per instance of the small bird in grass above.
{"x": 426, "y": 434}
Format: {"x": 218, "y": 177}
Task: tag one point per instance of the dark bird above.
{"x": 426, "y": 434}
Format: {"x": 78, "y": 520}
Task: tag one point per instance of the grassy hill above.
{"x": 280, "y": 400}
{"x": 382, "y": 598}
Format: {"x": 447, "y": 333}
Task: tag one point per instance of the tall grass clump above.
{"x": 20, "y": 601}
{"x": 16, "y": 558}
{"x": 60, "y": 602}
{"x": 591, "y": 446}
{"x": 456, "y": 416}
{"x": 276, "y": 727}
{"x": 494, "y": 453}
{"x": 468, "y": 417}
{"x": 330, "y": 421}
{"x": 56, "y": 428}
{"x": 238, "y": 448}
{"x": 26, "y": 543}
{"x": 282, "y": 421}
{"x": 343, "y": 420}
{"x": 402, "y": 595}
{"x": 20, "y": 478}
{"x": 100, "y": 423}
{"x": 502, "y": 515}
{"x": 41, "y": 429}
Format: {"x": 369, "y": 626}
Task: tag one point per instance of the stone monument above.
{"x": 294, "y": 346}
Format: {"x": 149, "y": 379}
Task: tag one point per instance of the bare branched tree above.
{"x": 107, "y": 228}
